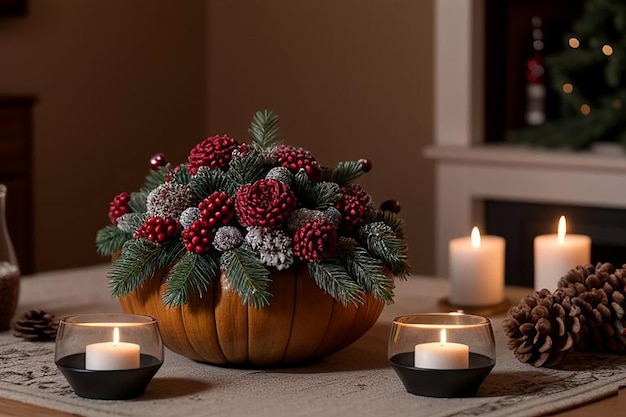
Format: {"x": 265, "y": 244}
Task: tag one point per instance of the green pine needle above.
{"x": 246, "y": 170}
{"x": 264, "y": 130}
{"x": 140, "y": 259}
{"x": 346, "y": 172}
{"x": 154, "y": 179}
{"x": 137, "y": 202}
{"x": 367, "y": 271}
{"x": 181, "y": 176}
{"x": 247, "y": 276}
{"x": 324, "y": 195}
{"x": 391, "y": 219}
{"x": 110, "y": 240}
{"x": 331, "y": 276}
{"x": 381, "y": 241}
{"x": 192, "y": 274}
{"x": 209, "y": 180}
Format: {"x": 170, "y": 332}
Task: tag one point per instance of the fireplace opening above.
{"x": 520, "y": 222}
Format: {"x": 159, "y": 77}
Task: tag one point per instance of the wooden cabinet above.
{"x": 16, "y": 173}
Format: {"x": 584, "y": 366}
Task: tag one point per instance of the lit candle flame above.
{"x": 561, "y": 230}
{"x": 442, "y": 337}
{"x": 475, "y": 238}
{"x": 116, "y": 335}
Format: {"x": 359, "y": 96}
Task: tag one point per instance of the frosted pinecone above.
{"x": 168, "y": 200}
{"x": 227, "y": 238}
{"x": 188, "y": 216}
{"x": 272, "y": 246}
{"x": 333, "y": 216}
{"x": 130, "y": 222}
{"x": 303, "y": 216}
{"x": 281, "y": 174}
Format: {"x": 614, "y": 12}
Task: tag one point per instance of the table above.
{"x": 354, "y": 381}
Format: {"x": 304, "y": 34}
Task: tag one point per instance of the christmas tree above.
{"x": 588, "y": 75}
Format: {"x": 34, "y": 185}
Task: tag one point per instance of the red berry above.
{"x": 366, "y": 164}
{"x": 157, "y": 161}
{"x": 391, "y": 205}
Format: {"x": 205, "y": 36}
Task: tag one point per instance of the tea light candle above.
{"x": 476, "y": 270}
{"x": 442, "y": 354}
{"x": 115, "y": 355}
{"x": 555, "y": 254}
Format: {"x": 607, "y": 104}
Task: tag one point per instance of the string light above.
{"x": 585, "y": 109}
{"x": 607, "y": 50}
{"x": 573, "y": 42}
{"x": 567, "y": 88}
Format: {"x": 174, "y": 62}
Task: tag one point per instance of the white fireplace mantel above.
{"x": 467, "y": 171}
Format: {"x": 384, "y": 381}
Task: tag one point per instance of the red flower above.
{"x": 266, "y": 203}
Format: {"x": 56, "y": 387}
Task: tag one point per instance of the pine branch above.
{"x": 246, "y": 170}
{"x": 303, "y": 189}
{"x": 181, "y": 175}
{"x": 192, "y": 274}
{"x": 346, "y": 172}
{"x": 324, "y": 195}
{"x": 137, "y": 202}
{"x": 367, "y": 271}
{"x": 137, "y": 262}
{"x": 247, "y": 276}
{"x": 154, "y": 179}
{"x": 264, "y": 130}
{"x": 390, "y": 219}
{"x": 331, "y": 276}
{"x": 380, "y": 240}
{"x": 134, "y": 221}
{"x": 110, "y": 240}
{"x": 209, "y": 180}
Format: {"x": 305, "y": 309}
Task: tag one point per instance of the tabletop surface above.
{"x": 355, "y": 381}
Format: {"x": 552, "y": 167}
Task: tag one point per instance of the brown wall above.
{"x": 116, "y": 82}
{"x": 120, "y": 81}
{"x": 349, "y": 79}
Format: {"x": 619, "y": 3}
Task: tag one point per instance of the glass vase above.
{"x": 9, "y": 269}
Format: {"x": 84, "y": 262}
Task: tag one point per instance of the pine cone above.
{"x": 214, "y": 152}
{"x": 36, "y": 325}
{"x": 352, "y": 212}
{"x": 315, "y": 241}
{"x": 168, "y": 200}
{"x": 543, "y": 327}
{"x": 599, "y": 293}
{"x": 295, "y": 159}
{"x": 265, "y": 203}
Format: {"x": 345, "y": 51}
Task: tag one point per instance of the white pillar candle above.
{"x": 110, "y": 356}
{"x": 555, "y": 254}
{"x": 442, "y": 354}
{"x": 476, "y": 270}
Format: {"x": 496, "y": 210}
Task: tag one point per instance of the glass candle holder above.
{"x": 108, "y": 356}
{"x": 442, "y": 354}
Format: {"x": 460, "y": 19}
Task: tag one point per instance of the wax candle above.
{"x": 476, "y": 268}
{"x": 442, "y": 354}
{"x": 555, "y": 254}
{"x": 115, "y": 355}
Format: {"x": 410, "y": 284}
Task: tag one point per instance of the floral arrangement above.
{"x": 247, "y": 208}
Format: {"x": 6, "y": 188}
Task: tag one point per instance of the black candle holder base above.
{"x": 108, "y": 385}
{"x": 444, "y": 383}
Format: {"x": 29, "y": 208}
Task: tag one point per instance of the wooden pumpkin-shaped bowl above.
{"x": 301, "y": 324}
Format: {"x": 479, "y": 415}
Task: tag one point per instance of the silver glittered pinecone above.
{"x": 543, "y": 327}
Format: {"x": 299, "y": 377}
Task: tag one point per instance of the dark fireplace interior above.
{"x": 520, "y": 222}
